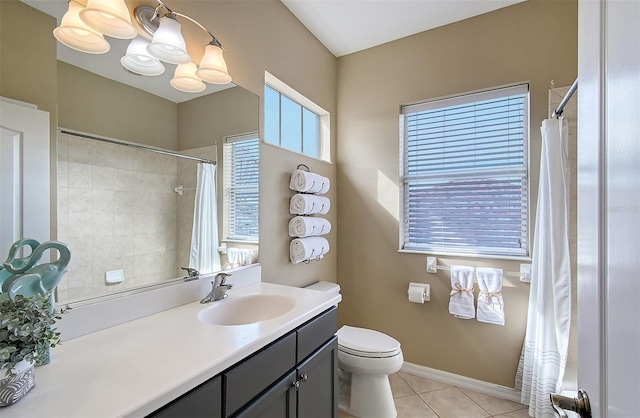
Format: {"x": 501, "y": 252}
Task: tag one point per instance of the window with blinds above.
{"x": 241, "y": 178}
{"x": 464, "y": 174}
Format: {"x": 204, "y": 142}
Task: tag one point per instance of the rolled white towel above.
{"x": 309, "y": 248}
{"x": 304, "y": 181}
{"x": 308, "y": 226}
{"x": 309, "y": 204}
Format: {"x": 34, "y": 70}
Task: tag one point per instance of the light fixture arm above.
{"x": 214, "y": 40}
{"x": 172, "y": 14}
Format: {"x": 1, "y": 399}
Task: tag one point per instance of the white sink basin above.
{"x": 249, "y": 309}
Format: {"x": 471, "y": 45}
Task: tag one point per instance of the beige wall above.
{"x": 535, "y": 42}
{"x": 90, "y": 103}
{"x": 209, "y": 119}
{"x": 28, "y": 64}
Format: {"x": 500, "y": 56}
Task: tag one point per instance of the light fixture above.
{"x": 110, "y": 17}
{"x": 213, "y": 69}
{"x": 168, "y": 44}
{"x": 160, "y": 24}
{"x": 139, "y": 61}
{"x": 185, "y": 79}
{"x": 75, "y": 34}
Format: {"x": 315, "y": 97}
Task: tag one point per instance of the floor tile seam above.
{"x": 438, "y": 390}
{"x": 427, "y": 405}
{"x": 459, "y": 389}
{"x": 404, "y": 396}
{"x": 479, "y": 406}
{"x": 521, "y": 406}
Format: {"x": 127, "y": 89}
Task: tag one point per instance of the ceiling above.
{"x": 343, "y": 27}
{"x": 347, "y": 26}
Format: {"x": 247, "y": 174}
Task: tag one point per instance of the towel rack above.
{"x": 524, "y": 273}
{"x": 313, "y": 211}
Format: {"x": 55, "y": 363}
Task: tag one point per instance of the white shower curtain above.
{"x": 204, "y": 255}
{"x": 544, "y": 353}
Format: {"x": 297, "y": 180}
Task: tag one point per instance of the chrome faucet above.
{"x": 219, "y": 288}
{"x": 192, "y": 274}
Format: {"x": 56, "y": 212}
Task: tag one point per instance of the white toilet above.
{"x": 366, "y": 358}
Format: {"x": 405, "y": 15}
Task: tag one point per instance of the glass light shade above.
{"x": 168, "y": 44}
{"x": 213, "y": 68}
{"x": 73, "y": 33}
{"x": 185, "y": 79}
{"x": 138, "y": 59}
{"x": 109, "y": 17}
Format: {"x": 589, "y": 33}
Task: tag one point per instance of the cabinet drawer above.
{"x": 254, "y": 375}
{"x": 316, "y": 332}
{"x": 203, "y": 401}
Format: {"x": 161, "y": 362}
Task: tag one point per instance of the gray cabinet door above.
{"x": 251, "y": 377}
{"x": 279, "y": 401}
{"x": 203, "y": 401}
{"x": 318, "y": 377}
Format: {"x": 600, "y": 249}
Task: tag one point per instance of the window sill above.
{"x": 298, "y": 153}
{"x": 468, "y": 255}
{"x": 236, "y": 241}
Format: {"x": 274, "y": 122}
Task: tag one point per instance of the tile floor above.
{"x": 417, "y": 397}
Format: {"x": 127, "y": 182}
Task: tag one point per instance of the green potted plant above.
{"x": 26, "y": 330}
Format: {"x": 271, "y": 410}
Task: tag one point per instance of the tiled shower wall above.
{"x": 117, "y": 209}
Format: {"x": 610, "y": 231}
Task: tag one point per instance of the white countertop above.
{"x": 134, "y": 368}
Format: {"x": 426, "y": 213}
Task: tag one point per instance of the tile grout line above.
{"x": 465, "y": 394}
{"x": 416, "y": 394}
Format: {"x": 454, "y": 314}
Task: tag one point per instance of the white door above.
{"x": 24, "y": 174}
{"x": 609, "y": 206}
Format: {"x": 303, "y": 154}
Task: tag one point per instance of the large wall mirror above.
{"x": 128, "y": 213}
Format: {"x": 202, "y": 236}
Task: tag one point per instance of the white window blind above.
{"x": 464, "y": 174}
{"x": 241, "y": 178}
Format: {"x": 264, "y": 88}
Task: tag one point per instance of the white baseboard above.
{"x": 464, "y": 382}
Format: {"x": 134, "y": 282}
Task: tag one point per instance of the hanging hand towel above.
{"x": 490, "y": 302}
{"x": 461, "y": 300}
{"x": 307, "y": 226}
{"x": 310, "y": 248}
{"x": 304, "y": 181}
{"x": 309, "y": 204}
{"x": 237, "y": 257}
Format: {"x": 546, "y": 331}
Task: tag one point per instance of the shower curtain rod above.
{"x": 558, "y": 112}
{"x": 142, "y": 147}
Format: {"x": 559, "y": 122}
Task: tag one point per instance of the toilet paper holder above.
{"x": 425, "y": 288}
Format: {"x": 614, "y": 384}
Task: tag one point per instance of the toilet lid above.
{"x": 366, "y": 342}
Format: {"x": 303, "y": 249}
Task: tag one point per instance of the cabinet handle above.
{"x": 296, "y": 385}
{"x": 305, "y": 377}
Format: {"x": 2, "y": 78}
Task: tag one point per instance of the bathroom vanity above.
{"x": 293, "y": 376}
{"x": 172, "y": 364}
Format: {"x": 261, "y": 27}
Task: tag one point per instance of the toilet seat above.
{"x": 362, "y": 342}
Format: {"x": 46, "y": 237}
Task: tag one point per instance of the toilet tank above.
{"x": 325, "y": 287}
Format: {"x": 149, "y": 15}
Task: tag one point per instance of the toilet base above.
{"x": 366, "y": 396}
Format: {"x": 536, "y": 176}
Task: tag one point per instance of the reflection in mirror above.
{"x": 128, "y": 213}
